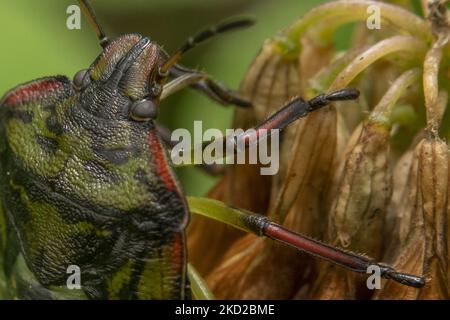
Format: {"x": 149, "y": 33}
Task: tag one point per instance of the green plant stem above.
{"x": 288, "y": 41}
{"x": 381, "y": 49}
{"x": 382, "y": 111}
{"x": 324, "y": 78}
{"x": 200, "y": 289}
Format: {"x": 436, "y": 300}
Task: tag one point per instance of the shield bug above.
{"x": 86, "y": 180}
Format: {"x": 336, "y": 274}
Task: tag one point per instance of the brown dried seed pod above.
{"x": 252, "y": 267}
{"x": 271, "y": 80}
{"x": 364, "y": 192}
{"x": 357, "y": 216}
{"x": 403, "y": 181}
{"x": 364, "y": 186}
{"x": 300, "y": 198}
{"x": 256, "y": 268}
{"x": 422, "y": 248}
{"x": 307, "y": 157}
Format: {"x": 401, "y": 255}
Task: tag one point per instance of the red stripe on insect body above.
{"x": 175, "y": 259}
{"x": 177, "y": 250}
{"x": 31, "y": 91}
{"x": 164, "y": 172}
{"x": 162, "y": 168}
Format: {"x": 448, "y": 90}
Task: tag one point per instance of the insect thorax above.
{"x": 86, "y": 191}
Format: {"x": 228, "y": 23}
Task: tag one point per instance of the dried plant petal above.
{"x": 271, "y": 81}
{"x": 317, "y": 180}
{"x": 364, "y": 186}
{"x": 365, "y": 190}
{"x": 356, "y": 220}
{"x": 404, "y": 181}
{"x": 423, "y": 247}
{"x": 257, "y": 268}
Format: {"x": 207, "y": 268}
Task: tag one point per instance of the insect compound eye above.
{"x": 144, "y": 110}
{"x": 81, "y": 79}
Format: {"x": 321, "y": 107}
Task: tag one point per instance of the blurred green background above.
{"x": 35, "y": 42}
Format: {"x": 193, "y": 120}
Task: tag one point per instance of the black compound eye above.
{"x": 81, "y": 79}
{"x": 144, "y": 110}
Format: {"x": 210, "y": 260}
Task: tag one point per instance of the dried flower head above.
{"x": 335, "y": 181}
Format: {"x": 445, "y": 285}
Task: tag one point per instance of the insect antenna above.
{"x": 203, "y": 36}
{"x": 90, "y": 15}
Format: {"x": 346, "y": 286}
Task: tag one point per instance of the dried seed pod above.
{"x": 365, "y": 183}
{"x": 271, "y": 80}
{"x": 356, "y": 220}
{"x": 256, "y": 268}
{"x": 364, "y": 191}
{"x": 364, "y": 186}
{"x": 403, "y": 180}
{"x": 397, "y": 220}
{"x": 423, "y": 243}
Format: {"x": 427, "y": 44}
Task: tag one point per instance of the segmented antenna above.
{"x": 203, "y": 36}
{"x": 90, "y": 15}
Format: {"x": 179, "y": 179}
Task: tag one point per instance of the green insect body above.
{"x": 82, "y": 184}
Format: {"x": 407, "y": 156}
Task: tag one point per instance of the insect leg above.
{"x": 200, "y": 289}
{"x": 202, "y": 82}
{"x": 262, "y": 226}
{"x": 294, "y": 110}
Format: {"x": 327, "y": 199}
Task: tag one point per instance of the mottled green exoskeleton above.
{"x": 85, "y": 179}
